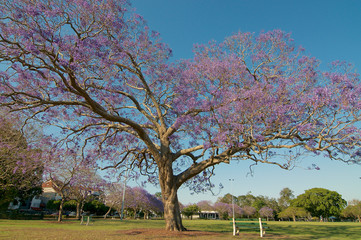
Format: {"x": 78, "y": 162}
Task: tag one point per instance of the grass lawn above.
{"x": 153, "y": 229}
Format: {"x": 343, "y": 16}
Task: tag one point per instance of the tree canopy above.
{"x": 190, "y": 210}
{"x": 286, "y": 196}
{"x": 353, "y": 210}
{"x": 293, "y": 212}
{"x": 96, "y": 70}
{"x": 321, "y": 202}
{"x": 20, "y": 166}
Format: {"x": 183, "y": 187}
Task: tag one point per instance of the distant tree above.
{"x": 228, "y": 199}
{"x": 137, "y": 200}
{"x": 145, "y": 202}
{"x": 96, "y": 207}
{"x": 224, "y": 209}
{"x": 70, "y": 205}
{"x": 271, "y": 203}
{"x": 286, "y": 196}
{"x": 266, "y": 212}
{"x": 259, "y": 202}
{"x": 353, "y": 210}
{"x": 320, "y": 202}
{"x": 66, "y": 168}
{"x": 53, "y": 204}
{"x": 87, "y": 183}
{"x": 21, "y": 168}
{"x": 293, "y": 212}
{"x": 190, "y": 210}
{"x": 113, "y": 197}
{"x": 238, "y": 211}
{"x": 205, "y": 205}
{"x": 246, "y": 200}
{"x": 249, "y": 211}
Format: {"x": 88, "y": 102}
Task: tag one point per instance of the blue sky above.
{"x": 328, "y": 30}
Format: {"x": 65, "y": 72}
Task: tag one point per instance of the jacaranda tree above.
{"x": 95, "y": 69}
{"x": 20, "y": 168}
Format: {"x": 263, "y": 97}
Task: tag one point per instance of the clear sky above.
{"x": 328, "y": 29}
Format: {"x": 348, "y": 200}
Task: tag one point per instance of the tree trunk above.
{"x": 82, "y": 206}
{"x": 105, "y": 216}
{"x": 172, "y": 214}
{"x": 60, "y": 216}
{"x": 77, "y": 210}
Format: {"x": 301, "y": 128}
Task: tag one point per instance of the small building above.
{"x": 37, "y": 202}
{"x": 208, "y": 215}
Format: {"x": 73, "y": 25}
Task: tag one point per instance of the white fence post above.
{"x": 260, "y": 227}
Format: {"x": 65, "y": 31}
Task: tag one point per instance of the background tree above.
{"x": 228, "y": 199}
{"x": 286, "y": 196}
{"x": 266, "y": 212}
{"x": 97, "y": 71}
{"x": 293, "y": 212}
{"x": 143, "y": 202}
{"x": 238, "y": 211}
{"x": 320, "y": 202}
{"x": 68, "y": 170}
{"x": 88, "y": 183}
{"x": 246, "y": 200}
{"x": 20, "y": 166}
{"x": 249, "y": 211}
{"x": 153, "y": 205}
{"x": 113, "y": 197}
{"x": 205, "y": 205}
{"x": 271, "y": 203}
{"x": 190, "y": 210}
{"x": 96, "y": 207}
{"x": 353, "y": 210}
{"x": 259, "y": 203}
{"x": 53, "y": 204}
{"x": 224, "y": 209}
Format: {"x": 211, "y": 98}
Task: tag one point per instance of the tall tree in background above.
{"x": 95, "y": 69}
{"x": 87, "y": 184}
{"x": 69, "y": 172}
{"x": 20, "y": 166}
{"x": 228, "y": 199}
{"x": 293, "y": 212}
{"x": 205, "y": 205}
{"x": 266, "y": 212}
{"x": 246, "y": 200}
{"x": 320, "y": 202}
{"x": 353, "y": 210}
{"x": 190, "y": 210}
{"x": 249, "y": 211}
{"x": 286, "y": 196}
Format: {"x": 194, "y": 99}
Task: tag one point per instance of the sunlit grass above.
{"x": 153, "y": 229}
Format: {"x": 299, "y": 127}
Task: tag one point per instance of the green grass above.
{"x": 154, "y": 229}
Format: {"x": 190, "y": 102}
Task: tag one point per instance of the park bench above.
{"x": 86, "y": 220}
{"x": 241, "y": 225}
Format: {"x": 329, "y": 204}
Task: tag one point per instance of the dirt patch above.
{"x": 143, "y": 233}
{"x": 161, "y": 233}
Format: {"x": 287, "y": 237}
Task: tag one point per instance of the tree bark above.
{"x": 106, "y": 214}
{"x": 169, "y": 188}
{"x": 77, "y": 210}
{"x": 60, "y": 216}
